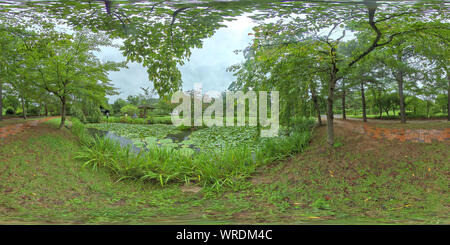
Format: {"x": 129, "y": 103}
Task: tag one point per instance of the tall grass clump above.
{"x": 211, "y": 168}
{"x": 164, "y": 165}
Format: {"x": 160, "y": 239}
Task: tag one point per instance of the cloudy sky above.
{"x": 206, "y": 66}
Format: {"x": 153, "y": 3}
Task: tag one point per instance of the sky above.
{"x": 206, "y": 65}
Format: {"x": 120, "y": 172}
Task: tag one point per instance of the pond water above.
{"x": 169, "y": 139}
{"x": 124, "y": 142}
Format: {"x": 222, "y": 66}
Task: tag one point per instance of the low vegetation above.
{"x": 212, "y": 166}
{"x": 358, "y": 182}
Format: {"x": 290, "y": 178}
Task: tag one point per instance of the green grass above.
{"x": 218, "y": 166}
{"x": 355, "y": 183}
{"x": 41, "y": 181}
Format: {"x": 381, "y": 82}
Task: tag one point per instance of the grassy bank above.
{"x": 216, "y": 168}
{"x": 359, "y": 182}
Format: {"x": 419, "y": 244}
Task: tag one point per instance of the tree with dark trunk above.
{"x": 63, "y": 111}
{"x": 448, "y": 96}
{"x": 1, "y": 101}
{"x": 316, "y": 104}
{"x": 363, "y": 101}
{"x": 344, "y": 116}
{"x": 400, "y": 83}
{"x": 24, "y": 108}
{"x": 71, "y": 68}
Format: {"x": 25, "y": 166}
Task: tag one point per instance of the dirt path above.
{"x": 403, "y": 135}
{"x": 20, "y": 127}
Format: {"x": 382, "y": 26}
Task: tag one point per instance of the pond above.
{"x": 170, "y": 137}
{"x": 179, "y": 140}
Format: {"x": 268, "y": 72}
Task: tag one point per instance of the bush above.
{"x": 34, "y": 111}
{"x": 9, "y": 111}
{"x": 86, "y": 112}
{"x": 161, "y": 120}
{"x": 148, "y": 120}
{"x": 130, "y": 110}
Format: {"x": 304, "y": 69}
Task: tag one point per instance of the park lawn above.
{"x": 359, "y": 181}
{"x": 40, "y": 181}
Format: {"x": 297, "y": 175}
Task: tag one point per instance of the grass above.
{"x": 357, "y": 182}
{"x": 41, "y": 181}
{"x": 130, "y": 120}
{"x": 214, "y": 168}
{"x": 361, "y": 179}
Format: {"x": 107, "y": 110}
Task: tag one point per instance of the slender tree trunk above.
{"x": 63, "y": 112}
{"x": 363, "y": 98}
{"x": 46, "y": 109}
{"x": 1, "y": 101}
{"x": 24, "y": 109}
{"x": 316, "y": 105}
{"x": 330, "y": 116}
{"x": 448, "y": 96}
{"x": 344, "y": 116}
{"x": 401, "y": 97}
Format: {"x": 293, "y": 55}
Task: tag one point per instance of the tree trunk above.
{"x": 316, "y": 105}
{"x": 344, "y": 116}
{"x": 448, "y": 96}
{"x": 24, "y": 109}
{"x": 46, "y": 109}
{"x": 330, "y": 100}
{"x": 363, "y": 98}
{"x": 1, "y": 100}
{"x": 63, "y": 112}
{"x": 401, "y": 97}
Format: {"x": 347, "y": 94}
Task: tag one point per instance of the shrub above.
{"x": 130, "y": 110}
{"x": 9, "y": 111}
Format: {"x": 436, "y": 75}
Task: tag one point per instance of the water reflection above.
{"x": 124, "y": 142}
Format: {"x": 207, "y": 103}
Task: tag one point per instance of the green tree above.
{"x": 117, "y": 105}
{"x": 130, "y": 110}
{"x": 67, "y": 67}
